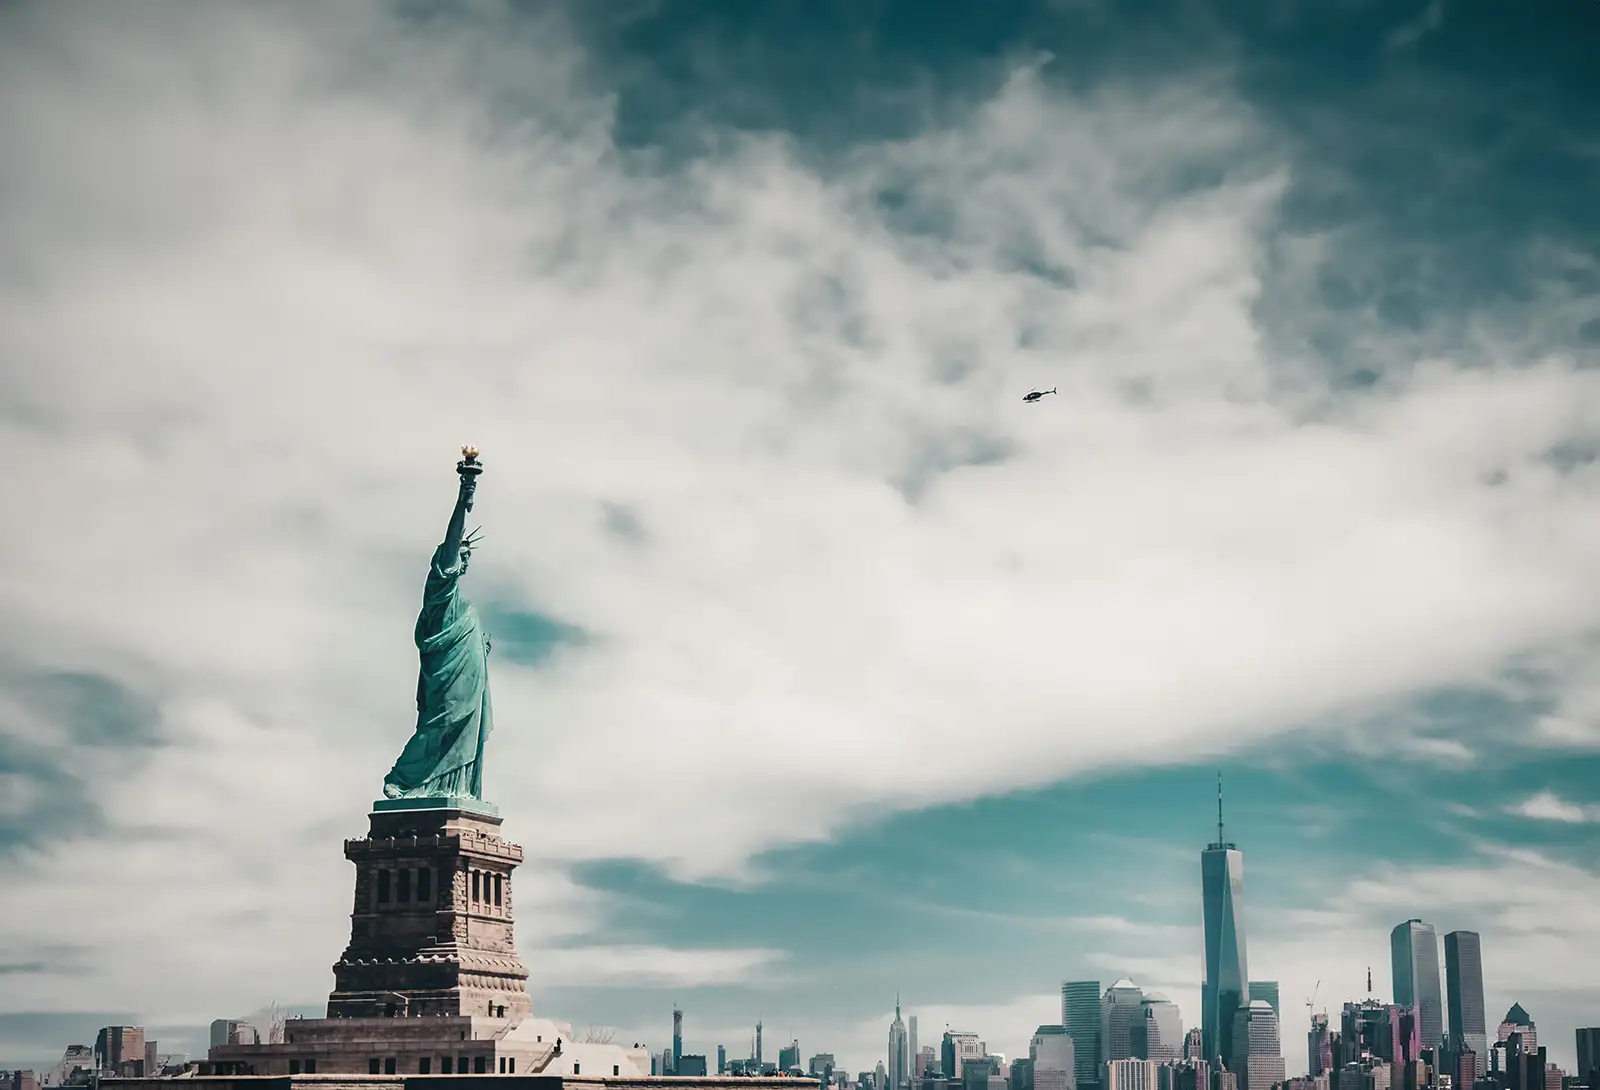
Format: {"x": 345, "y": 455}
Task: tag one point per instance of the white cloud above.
{"x": 1559, "y": 732}
{"x": 1548, "y": 806}
{"x": 649, "y": 965}
{"x": 261, "y": 278}
{"x": 1574, "y": 722}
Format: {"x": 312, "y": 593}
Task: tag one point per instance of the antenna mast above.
{"x": 1219, "y": 807}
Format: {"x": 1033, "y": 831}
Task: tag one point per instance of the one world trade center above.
{"x": 1222, "y": 889}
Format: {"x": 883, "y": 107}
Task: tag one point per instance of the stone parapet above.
{"x": 488, "y": 847}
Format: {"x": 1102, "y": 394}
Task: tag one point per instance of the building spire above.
{"x": 897, "y": 1004}
{"x": 1219, "y": 807}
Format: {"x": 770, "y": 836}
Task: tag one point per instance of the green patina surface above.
{"x": 443, "y": 759}
{"x": 464, "y": 803}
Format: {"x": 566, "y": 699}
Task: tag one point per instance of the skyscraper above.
{"x": 1517, "y": 1021}
{"x": 1080, "y": 1013}
{"x": 1414, "y": 956}
{"x": 1319, "y": 1047}
{"x": 1223, "y": 990}
{"x": 1257, "y": 1052}
{"x": 1588, "y": 1054}
{"x": 958, "y": 1049}
{"x": 677, "y": 1039}
{"x": 1463, "y": 973}
{"x": 897, "y": 1067}
{"x": 1121, "y": 1009}
{"x": 116, "y": 1047}
{"x": 1054, "y": 1062}
{"x": 1158, "y": 1035}
{"x": 722, "y": 1060}
{"x": 1268, "y": 990}
{"x": 1131, "y": 1074}
{"x": 913, "y": 1052}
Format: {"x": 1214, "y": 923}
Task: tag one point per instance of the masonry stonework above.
{"x": 431, "y": 929}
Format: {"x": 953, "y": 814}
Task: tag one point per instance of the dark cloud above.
{"x": 1425, "y": 171}
{"x": 95, "y": 715}
{"x": 622, "y": 521}
{"x": 526, "y": 637}
{"x": 56, "y": 800}
{"x": 96, "y": 709}
{"x": 40, "y": 1037}
{"x": 939, "y": 455}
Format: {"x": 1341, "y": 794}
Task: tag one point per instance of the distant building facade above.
{"x": 1121, "y": 1009}
{"x": 1589, "y": 1056}
{"x": 1227, "y": 973}
{"x": 1257, "y": 1050}
{"x": 958, "y": 1049}
{"x": 899, "y": 1065}
{"x": 1158, "y": 1035}
{"x": 120, "y": 1050}
{"x": 1319, "y": 1047}
{"x": 1414, "y": 958}
{"x": 1517, "y": 1022}
{"x": 1267, "y": 990}
{"x": 1463, "y": 968}
{"x": 1053, "y": 1053}
{"x": 1130, "y": 1074}
{"x": 1080, "y": 1014}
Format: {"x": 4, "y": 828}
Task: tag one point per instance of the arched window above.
{"x": 424, "y": 885}
{"x": 383, "y": 887}
{"x": 497, "y": 889}
{"x": 404, "y": 883}
{"x": 475, "y": 877}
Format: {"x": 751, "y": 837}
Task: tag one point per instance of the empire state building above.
{"x": 1223, "y": 991}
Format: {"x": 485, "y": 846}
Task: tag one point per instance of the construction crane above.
{"x": 1312, "y": 1002}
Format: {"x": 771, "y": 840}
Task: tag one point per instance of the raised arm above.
{"x": 469, "y": 467}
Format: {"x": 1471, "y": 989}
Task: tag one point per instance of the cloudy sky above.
{"x": 824, "y": 667}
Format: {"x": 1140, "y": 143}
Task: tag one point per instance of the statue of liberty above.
{"x": 444, "y": 757}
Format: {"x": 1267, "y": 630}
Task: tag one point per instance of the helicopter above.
{"x": 1035, "y": 395}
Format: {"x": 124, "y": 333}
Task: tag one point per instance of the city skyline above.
{"x": 1124, "y": 1018}
{"x": 824, "y": 666}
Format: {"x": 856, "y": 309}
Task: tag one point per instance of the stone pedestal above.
{"x": 431, "y": 930}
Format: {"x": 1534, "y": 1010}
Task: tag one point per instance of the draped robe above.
{"x": 444, "y": 756}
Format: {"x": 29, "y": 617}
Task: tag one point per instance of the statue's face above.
{"x": 466, "y": 555}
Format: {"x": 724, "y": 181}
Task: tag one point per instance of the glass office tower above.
{"x": 1463, "y": 975}
{"x": 1414, "y": 958}
{"x": 1227, "y": 976}
{"x": 1080, "y": 1013}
